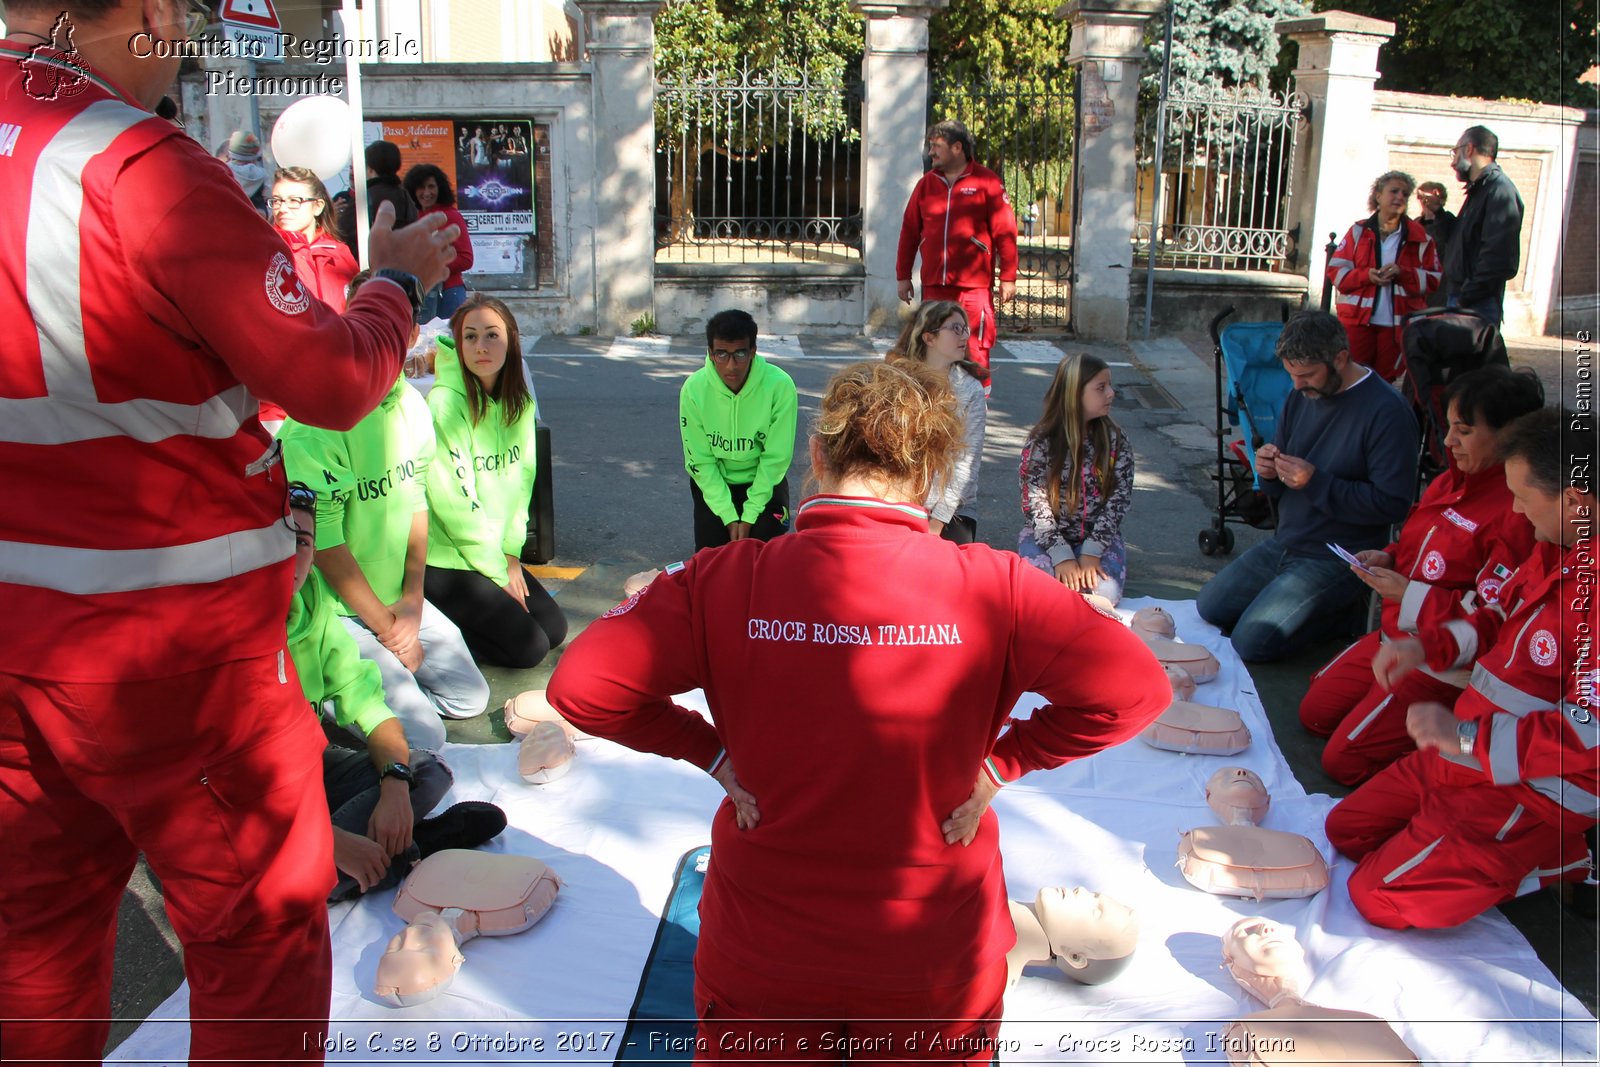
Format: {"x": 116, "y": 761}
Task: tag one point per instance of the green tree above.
{"x": 1529, "y": 50}
{"x": 760, "y": 46}
{"x": 1221, "y": 44}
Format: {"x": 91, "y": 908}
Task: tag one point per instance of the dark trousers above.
{"x": 496, "y": 628}
{"x": 710, "y": 531}
{"x": 960, "y": 530}
{"x": 352, "y": 785}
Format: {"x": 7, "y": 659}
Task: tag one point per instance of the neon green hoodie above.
{"x": 329, "y": 663}
{"x": 369, "y": 482}
{"x": 480, "y": 485}
{"x": 743, "y": 438}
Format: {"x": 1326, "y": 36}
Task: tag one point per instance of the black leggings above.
{"x": 497, "y": 631}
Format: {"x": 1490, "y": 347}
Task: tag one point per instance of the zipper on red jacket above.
{"x": 949, "y": 203}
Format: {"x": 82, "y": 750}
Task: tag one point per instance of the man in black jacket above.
{"x": 1486, "y": 249}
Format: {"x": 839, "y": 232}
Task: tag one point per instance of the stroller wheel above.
{"x": 1214, "y": 540}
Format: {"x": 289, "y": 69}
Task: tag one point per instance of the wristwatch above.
{"x": 402, "y": 772}
{"x": 408, "y": 282}
{"x": 1467, "y": 736}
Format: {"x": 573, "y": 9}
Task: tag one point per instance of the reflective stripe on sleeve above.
{"x": 86, "y": 571}
{"x": 1505, "y": 696}
{"x": 1466, "y": 640}
{"x": 1503, "y": 767}
{"x": 57, "y": 420}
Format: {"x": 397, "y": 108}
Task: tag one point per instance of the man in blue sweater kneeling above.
{"x": 1341, "y": 469}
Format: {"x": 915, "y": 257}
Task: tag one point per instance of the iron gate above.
{"x": 1227, "y": 177}
{"x": 1025, "y": 134}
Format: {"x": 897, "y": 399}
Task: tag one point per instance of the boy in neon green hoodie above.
{"x": 737, "y": 417}
{"x": 479, "y": 488}
{"x": 372, "y": 546}
{"x": 378, "y": 799}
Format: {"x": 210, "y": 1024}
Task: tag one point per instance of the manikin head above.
{"x": 1238, "y": 796}
{"x": 1182, "y": 682}
{"x": 1092, "y": 937}
{"x": 420, "y": 962}
{"x": 1265, "y": 959}
{"x": 1154, "y": 622}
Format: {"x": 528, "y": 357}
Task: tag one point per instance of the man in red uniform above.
{"x": 146, "y": 699}
{"x": 960, "y": 220}
{"x": 1496, "y": 800}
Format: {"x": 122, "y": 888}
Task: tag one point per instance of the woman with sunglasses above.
{"x": 860, "y": 675}
{"x": 936, "y": 336}
{"x": 305, "y": 217}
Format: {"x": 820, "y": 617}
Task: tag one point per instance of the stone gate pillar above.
{"x": 1107, "y": 52}
{"x": 1340, "y": 154}
{"x": 620, "y": 36}
{"x": 894, "y": 114}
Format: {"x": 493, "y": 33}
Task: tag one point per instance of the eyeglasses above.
{"x": 740, "y": 356}
{"x": 196, "y": 19}
{"x": 291, "y": 201}
{"x": 960, "y": 329}
{"x": 300, "y": 496}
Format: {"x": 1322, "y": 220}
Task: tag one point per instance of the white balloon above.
{"x": 313, "y": 133}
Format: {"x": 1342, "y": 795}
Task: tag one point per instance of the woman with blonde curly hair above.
{"x": 1382, "y": 271}
{"x": 860, "y": 675}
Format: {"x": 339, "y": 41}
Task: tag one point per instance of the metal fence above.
{"x": 1025, "y": 134}
{"x": 762, "y": 166}
{"x": 1226, "y": 179}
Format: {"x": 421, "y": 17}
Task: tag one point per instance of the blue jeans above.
{"x": 1274, "y": 602}
{"x": 441, "y": 303}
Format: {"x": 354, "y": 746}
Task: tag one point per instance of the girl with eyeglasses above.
{"x": 1077, "y": 482}
{"x": 936, "y": 336}
{"x": 305, "y": 217}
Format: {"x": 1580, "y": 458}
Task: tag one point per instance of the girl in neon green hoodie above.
{"x": 479, "y": 487}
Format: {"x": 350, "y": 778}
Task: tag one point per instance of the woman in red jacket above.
{"x": 856, "y": 875}
{"x": 433, "y": 193}
{"x": 1383, "y": 270}
{"x": 1439, "y": 556}
{"x": 304, "y": 216}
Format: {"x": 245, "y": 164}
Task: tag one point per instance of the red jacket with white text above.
{"x": 859, "y": 674}
{"x": 144, "y": 306}
{"x": 1532, "y": 689}
{"x": 960, "y": 228}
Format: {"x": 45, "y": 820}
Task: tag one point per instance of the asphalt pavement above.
{"x": 622, "y": 505}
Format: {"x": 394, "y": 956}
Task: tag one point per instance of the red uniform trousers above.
{"x": 1436, "y": 845}
{"x": 979, "y": 306}
{"x": 1365, "y": 724}
{"x": 216, "y": 777}
{"x": 743, "y": 1016}
{"x": 1377, "y": 347}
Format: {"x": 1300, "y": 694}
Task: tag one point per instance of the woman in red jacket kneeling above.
{"x": 855, "y": 873}
{"x": 1383, "y": 270}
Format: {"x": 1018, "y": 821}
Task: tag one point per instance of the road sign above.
{"x": 257, "y": 13}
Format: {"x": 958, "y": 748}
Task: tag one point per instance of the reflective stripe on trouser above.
{"x": 1373, "y": 735}
{"x": 1436, "y": 846}
{"x": 747, "y": 1015}
{"x": 216, "y": 776}
{"x": 1339, "y": 686}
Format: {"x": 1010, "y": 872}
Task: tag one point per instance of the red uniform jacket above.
{"x": 959, "y": 227}
{"x": 859, "y": 673}
{"x": 325, "y": 266}
{"x": 1445, "y": 542}
{"x": 144, "y": 306}
{"x": 1358, "y": 253}
{"x": 1532, "y": 690}
{"x": 463, "y": 243}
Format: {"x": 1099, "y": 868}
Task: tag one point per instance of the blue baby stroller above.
{"x": 1245, "y": 354}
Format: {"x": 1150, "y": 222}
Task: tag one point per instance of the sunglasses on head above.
{"x": 299, "y": 496}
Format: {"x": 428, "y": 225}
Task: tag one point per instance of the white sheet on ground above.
{"x": 616, "y": 826}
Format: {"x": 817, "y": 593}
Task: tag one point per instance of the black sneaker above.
{"x": 464, "y": 825}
